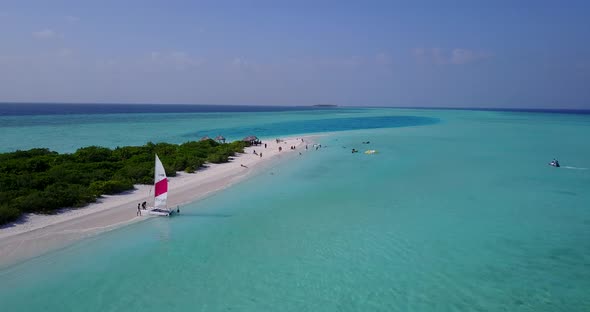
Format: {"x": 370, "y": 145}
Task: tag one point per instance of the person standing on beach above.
{"x": 138, "y": 210}
{"x": 264, "y": 145}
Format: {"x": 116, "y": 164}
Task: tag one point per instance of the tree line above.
{"x": 43, "y": 181}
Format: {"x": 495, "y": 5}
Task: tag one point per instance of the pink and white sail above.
{"x": 160, "y": 186}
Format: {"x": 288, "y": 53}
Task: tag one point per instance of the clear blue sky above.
{"x": 378, "y": 53}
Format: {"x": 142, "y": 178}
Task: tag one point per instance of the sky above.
{"x": 525, "y": 54}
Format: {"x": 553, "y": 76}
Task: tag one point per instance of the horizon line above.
{"x": 319, "y": 104}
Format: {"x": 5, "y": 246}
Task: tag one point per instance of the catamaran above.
{"x": 160, "y": 191}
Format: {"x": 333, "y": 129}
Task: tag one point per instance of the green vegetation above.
{"x": 42, "y": 181}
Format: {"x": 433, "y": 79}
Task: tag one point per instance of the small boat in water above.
{"x": 554, "y": 163}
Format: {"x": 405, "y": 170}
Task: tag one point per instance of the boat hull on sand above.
{"x": 161, "y": 212}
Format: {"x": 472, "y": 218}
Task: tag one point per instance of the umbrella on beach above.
{"x": 220, "y": 138}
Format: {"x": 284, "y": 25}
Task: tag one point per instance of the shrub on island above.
{"x": 44, "y": 181}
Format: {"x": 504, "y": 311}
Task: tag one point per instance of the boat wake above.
{"x": 575, "y": 168}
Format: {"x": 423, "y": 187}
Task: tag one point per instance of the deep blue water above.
{"x": 31, "y": 109}
{"x": 26, "y": 109}
{"x": 319, "y": 125}
{"x": 512, "y": 110}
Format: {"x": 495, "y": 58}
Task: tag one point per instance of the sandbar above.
{"x": 36, "y": 234}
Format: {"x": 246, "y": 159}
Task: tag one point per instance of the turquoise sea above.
{"x": 458, "y": 211}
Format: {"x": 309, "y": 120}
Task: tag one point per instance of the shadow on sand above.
{"x": 21, "y": 220}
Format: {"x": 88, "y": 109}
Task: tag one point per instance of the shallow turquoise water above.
{"x": 458, "y": 215}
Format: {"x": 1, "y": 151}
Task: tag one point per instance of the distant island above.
{"x": 325, "y": 105}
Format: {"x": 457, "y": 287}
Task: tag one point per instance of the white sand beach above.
{"x": 37, "y": 234}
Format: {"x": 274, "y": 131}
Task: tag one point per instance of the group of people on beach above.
{"x": 140, "y": 207}
{"x": 277, "y": 140}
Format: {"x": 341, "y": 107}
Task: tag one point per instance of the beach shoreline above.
{"x": 35, "y": 235}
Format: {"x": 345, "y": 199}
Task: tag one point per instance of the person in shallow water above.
{"x": 554, "y": 163}
{"x": 138, "y": 210}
